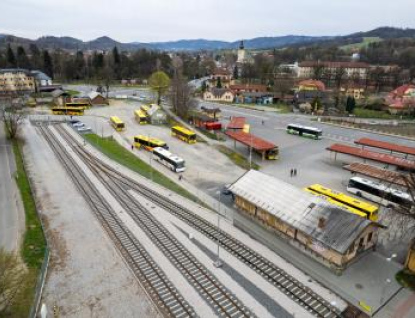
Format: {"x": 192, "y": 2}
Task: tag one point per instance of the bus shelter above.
{"x": 386, "y": 146}
{"x": 391, "y": 177}
{"x": 261, "y": 146}
{"x": 237, "y": 123}
{"x": 384, "y": 158}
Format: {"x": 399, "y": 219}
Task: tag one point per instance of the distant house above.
{"x": 240, "y": 88}
{"x": 96, "y": 98}
{"x": 401, "y": 100}
{"x": 219, "y": 95}
{"x": 254, "y": 98}
{"x": 307, "y": 69}
{"x": 156, "y": 115}
{"x": 311, "y": 85}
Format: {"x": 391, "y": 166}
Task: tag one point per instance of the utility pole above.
{"x": 218, "y": 263}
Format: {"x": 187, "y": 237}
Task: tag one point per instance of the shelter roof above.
{"x": 377, "y": 173}
{"x": 250, "y": 140}
{"x": 301, "y": 210}
{"x": 385, "y": 145}
{"x": 371, "y": 155}
{"x": 237, "y": 123}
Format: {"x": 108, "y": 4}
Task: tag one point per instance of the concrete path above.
{"x": 11, "y": 218}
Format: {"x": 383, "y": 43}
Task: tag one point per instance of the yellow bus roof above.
{"x": 116, "y": 120}
{"x": 153, "y": 140}
{"x": 344, "y": 198}
{"x": 145, "y": 107}
{"x": 140, "y": 113}
{"x": 183, "y": 130}
{"x": 334, "y": 202}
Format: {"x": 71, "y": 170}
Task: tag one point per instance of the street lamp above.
{"x": 218, "y": 263}
{"x": 391, "y": 257}
{"x": 386, "y": 283}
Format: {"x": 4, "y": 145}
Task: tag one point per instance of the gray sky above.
{"x": 165, "y": 20}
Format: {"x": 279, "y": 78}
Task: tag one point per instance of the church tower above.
{"x": 241, "y": 53}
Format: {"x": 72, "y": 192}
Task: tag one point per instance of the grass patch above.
{"x": 73, "y": 92}
{"x": 237, "y": 158}
{"x": 406, "y": 279}
{"x": 118, "y": 153}
{"x": 369, "y": 113}
{"x": 34, "y": 243}
{"x": 366, "y": 41}
{"x": 211, "y": 135}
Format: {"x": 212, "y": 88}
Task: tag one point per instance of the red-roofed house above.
{"x": 401, "y": 99}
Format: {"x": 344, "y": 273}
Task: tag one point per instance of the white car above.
{"x": 84, "y": 129}
{"x": 78, "y": 124}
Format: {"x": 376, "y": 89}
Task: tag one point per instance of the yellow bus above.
{"x": 144, "y": 108}
{"x": 83, "y": 105}
{"x": 70, "y": 111}
{"x": 370, "y": 210}
{"x": 149, "y": 143}
{"x": 140, "y": 117}
{"x": 117, "y": 123}
{"x": 336, "y": 203}
{"x": 184, "y": 134}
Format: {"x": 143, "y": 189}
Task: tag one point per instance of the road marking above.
{"x": 242, "y": 113}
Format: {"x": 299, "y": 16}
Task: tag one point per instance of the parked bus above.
{"x": 70, "y": 111}
{"x": 311, "y": 132}
{"x": 171, "y": 161}
{"x": 140, "y": 117}
{"x": 337, "y": 203}
{"x": 78, "y": 105}
{"x": 184, "y": 134}
{"x": 149, "y": 143}
{"x": 213, "y": 125}
{"x": 117, "y": 123}
{"x": 379, "y": 193}
{"x": 370, "y": 210}
{"x": 144, "y": 108}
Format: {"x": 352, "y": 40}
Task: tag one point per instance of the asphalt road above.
{"x": 9, "y": 216}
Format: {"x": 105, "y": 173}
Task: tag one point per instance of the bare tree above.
{"x": 181, "y": 97}
{"x": 13, "y": 277}
{"x": 12, "y": 114}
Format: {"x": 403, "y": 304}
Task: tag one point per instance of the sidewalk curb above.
{"x": 368, "y": 130}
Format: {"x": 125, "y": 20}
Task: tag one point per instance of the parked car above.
{"x": 84, "y": 129}
{"x": 78, "y": 124}
{"x": 74, "y": 121}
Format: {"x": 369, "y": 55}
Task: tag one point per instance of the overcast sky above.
{"x": 230, "y": 20}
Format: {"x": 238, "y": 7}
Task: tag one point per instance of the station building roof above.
{"x": 385, "y": 145}
{"x": 377, "y": 173}
{"x": 250, "y": 140}
{"x": 301, "y": 210}
{"x": 371, "y": 155}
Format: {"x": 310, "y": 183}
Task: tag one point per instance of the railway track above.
{"x": 218, "y": 296}
{"x": 170, "y": 302}
{"x": 298, "y": 292}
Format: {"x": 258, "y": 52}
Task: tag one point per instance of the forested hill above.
{"x": 106, "y": 43}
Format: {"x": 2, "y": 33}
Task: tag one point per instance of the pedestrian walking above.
{"x": 295, "y": 172}
{"x": 180, "y": 178}
{"x": 263, "y": 122}
{"x": 132, "y": 147}
{"x": 291, "y": 172}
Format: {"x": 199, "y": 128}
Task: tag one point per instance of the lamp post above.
{"x": 385, "y": 285}
{"x": 218, "y": 263}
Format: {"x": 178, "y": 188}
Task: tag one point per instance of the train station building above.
{"x": 328, "y": 234}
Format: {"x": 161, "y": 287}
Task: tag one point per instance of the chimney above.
{"x": 321, "y": 223}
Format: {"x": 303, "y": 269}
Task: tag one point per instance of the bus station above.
{"x": 383, "y": 158}
{"x": 391, "y": 177}
{"x": 266, "y": 149}
{"x": 386, "y": 146}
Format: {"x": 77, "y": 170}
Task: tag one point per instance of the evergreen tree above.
{"x": 10, "y": 58}
{"x": 22, "y": 59}
{"x": 36, "y": 59}
{"x": 80, "y": 65}
{"x": 116, "y": 56}
{"x": 236, "y": 72}
{"x": 350, "y": 104}
{"x": 47, "y": 64}
{"x": 219, "y": 83}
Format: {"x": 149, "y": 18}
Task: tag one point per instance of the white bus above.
{"x": 379, "y": 193}
{"x": 166, "y": 158}
{"x": 304, "y": 131}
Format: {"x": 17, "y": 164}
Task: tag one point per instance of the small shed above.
{"x": 96, "y": 98}
{"x": 156, "y": 115}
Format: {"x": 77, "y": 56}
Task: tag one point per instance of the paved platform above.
{"x": 368, "y": 284}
